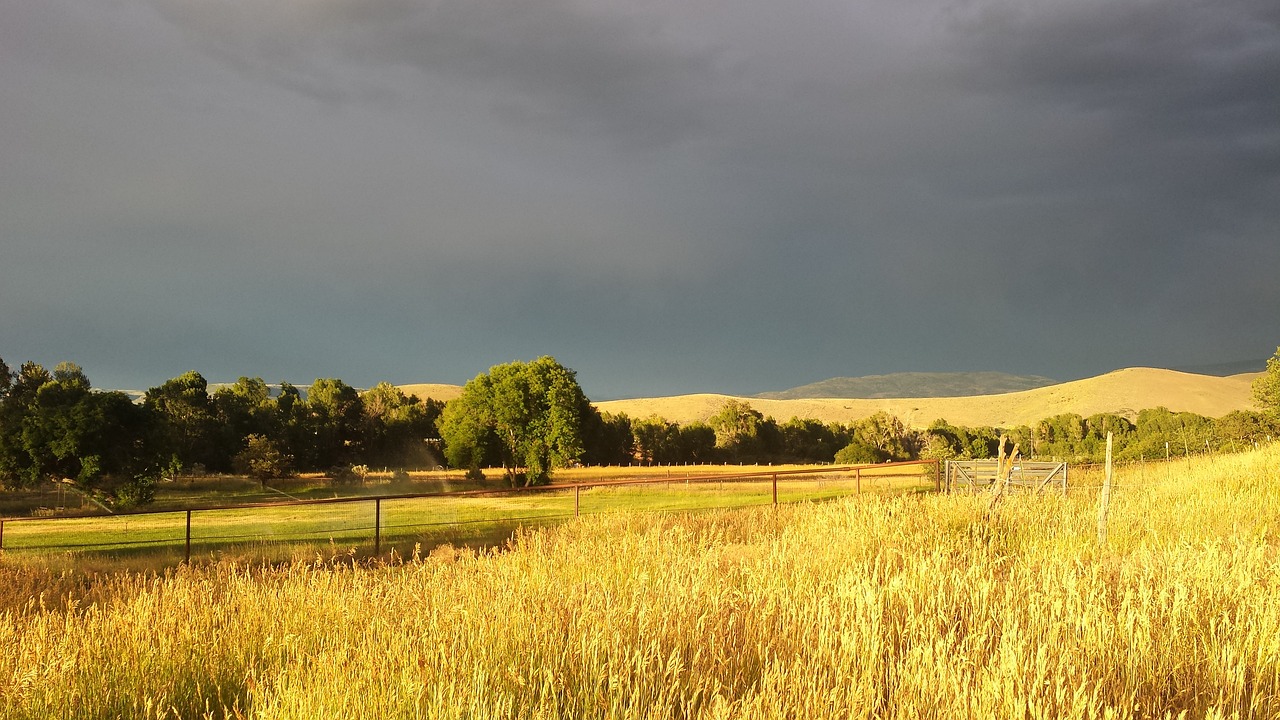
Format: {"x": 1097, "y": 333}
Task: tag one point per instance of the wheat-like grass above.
{"x": 873, "y": 607}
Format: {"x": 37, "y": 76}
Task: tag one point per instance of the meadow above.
{"x": 241, "y": 519}
{"x": 877, "y": 606}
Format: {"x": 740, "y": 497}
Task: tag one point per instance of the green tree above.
{"x": 336, "y": 420}
{"x": 397, "y": 426}
{"x": 245, "y": 408}
{"x": 737, "y": 426}
{"x": 1240, "y": 429}
{"x": 189, "y": 423}
{"x": 527, "y": 414}
{"x": 262, "y": 459}
{"x": 1266, "y": 388}
{"x": 6, "y": 379}
{"x": 16, "y": 465}
{"x": 71, "y": 431}
{"x": 606, "y": 438}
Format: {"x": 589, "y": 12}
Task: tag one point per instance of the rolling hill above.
{"x": 1123, "y": 391}
{"x": 913, "y": 385}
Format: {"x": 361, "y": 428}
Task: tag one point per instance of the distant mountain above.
{"x": 913, "y": 385}
{"x": 1227, "y": 369}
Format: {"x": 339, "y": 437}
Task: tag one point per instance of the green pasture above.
{"x": 406, "y": 524}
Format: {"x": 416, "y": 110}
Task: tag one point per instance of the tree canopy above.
{"x": 526, "y": 417}
{"x": 1266, "y": 389}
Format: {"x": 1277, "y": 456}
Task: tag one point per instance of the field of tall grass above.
{"x": 919, "y": 606}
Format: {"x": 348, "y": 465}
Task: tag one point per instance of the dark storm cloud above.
{"x": 669, "y": 196}
{"x": 578, "y": 66}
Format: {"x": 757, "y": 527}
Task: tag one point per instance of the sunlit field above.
{"x": 875, "y": 606}
{"x": 290, "y": 532}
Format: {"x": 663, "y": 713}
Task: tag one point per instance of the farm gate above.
{"x": 975, "y": 475}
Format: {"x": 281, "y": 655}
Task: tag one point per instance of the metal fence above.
{"x": 333, "y": 519}
{"x": 977, "y": 475}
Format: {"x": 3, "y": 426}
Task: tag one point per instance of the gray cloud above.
{"x": 672, "y": 196}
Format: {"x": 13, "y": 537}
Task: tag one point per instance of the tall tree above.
{"x": 336, "y": 416}
{"x": 397, "y": 426}
{"x": 1266, "y": 389}
{"x": 531, "y": 412}
{"x": 16, "y": 464}
{"x": 188, "y": 419}
{"x": 6, "y": 379}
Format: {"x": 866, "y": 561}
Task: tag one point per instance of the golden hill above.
{"x": 435, "y": 391}
{"x": 1124, "y": 392}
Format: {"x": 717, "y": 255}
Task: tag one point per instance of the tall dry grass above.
{"x": 916, "y": 607}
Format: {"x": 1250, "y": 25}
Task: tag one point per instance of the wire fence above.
{"x": 486, "y": 516}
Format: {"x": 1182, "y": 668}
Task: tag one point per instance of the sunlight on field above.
{"x": 273, "y": 533}
{"x": 888, "y": 607}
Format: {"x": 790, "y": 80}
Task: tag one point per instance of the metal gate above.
{"x": 977, "y": 475}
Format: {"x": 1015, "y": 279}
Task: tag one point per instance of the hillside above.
{"x": 435, "y": 391}
{"x": 1123, "y": 391}
{"x": 913, "y": 385}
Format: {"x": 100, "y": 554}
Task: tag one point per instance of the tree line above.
{"x": 54, "y": 425}
{"x": 528, "y": 418}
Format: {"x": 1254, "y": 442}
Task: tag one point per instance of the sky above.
{"x": 668, "y": 196}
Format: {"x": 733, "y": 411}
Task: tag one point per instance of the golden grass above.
{"x": 1124, "y": 391}
{"x": 910, "y": 607}
{"x": 435, "y": 391}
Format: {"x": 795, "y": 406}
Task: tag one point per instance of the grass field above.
{"x": 909, "y": 606}
{"x": 293, "y": 531}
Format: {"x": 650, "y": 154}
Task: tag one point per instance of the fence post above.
{"x": 857, "y": 475}
{"x": 188, "y": 557}
{"x": 1, "y": 534}
{"x": 377, "y": 527}
{"x": 1105, "y": 499}
{"x": 577, "y": 499}
{"x": 775, "y": 488}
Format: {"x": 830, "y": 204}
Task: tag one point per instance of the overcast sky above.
{"x": 667, "y": 195}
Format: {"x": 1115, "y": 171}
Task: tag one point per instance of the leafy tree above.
{"x": 336, "y": 420}
{"x": 6, "y": 379}
{"x": 655, "y": 440}
{"x": 189, "y": 422}
{"x": 809, "y": 441}
{"x": 737, "y": 426}
{"x": 530, "y": 413}
{"x": 1243, "y": 428}
{"x": 1266, "y": 388}
{"x": 696, "y": 442}
{"x": 396, "y": 426}
{"x": 70, "y": 431}
{"x": 245, "y": 408}
{"x": 263, "y": 459}
{"x": 17, "y": 467}
{"x": 606, "y": 438}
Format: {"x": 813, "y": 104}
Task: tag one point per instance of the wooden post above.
{"x": 377, "y": 527}
{"x": 857, "y": 475}
{"x": 775, "y": 488}
{"x": 577, "y": 499}
{"x": 188, "y": 558}
{"x": 999, "y": 462}
{"x": 1104, "y": 500}
{"x": 1, "y": 534}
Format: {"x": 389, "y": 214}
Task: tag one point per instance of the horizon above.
{"x": 1224, "y": 369}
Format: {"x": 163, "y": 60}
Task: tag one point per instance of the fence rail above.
{"x": 856, "y": 473}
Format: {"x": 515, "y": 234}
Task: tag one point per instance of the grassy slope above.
{"x": 913, "y": 384}
{"x": 1123, "y": 391}
{"x": 873, "y": 608}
